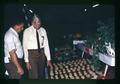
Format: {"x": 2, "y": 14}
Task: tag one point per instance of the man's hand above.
{"x": 28, "y": 65}
{"x": 20, "y": 71}
{"x": 50, "y": 64}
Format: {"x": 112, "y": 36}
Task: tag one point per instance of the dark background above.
{"x": 61, "y": 19}
{"x": 75, "y": 20}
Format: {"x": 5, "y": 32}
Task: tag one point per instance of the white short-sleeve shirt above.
{"x": 11, "y": 41}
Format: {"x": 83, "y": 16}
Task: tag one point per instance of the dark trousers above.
{"x": 12, "y": 70}
{"x": 37, "y": 61}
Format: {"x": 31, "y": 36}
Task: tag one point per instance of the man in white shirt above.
{"x": 36, "y": 49}
{"x": 13, "y": 50}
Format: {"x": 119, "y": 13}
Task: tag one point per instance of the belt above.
{"x": 19, "y": 59}
{"x": 41, "y": 49}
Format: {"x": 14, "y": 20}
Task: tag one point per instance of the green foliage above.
{"x": 104, "y": 33}
{"x": 107, "y": 31}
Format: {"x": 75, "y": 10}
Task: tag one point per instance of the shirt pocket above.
{"x": 32, "y": 38}
{"x": 32, "y": 41}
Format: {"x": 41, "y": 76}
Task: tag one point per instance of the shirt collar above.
{"x": 34, "y": 28}
{"x": 14, "y": 31}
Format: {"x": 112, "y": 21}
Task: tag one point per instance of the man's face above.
{"x": 20, "y": 27}
{"x": 36, "y": 23}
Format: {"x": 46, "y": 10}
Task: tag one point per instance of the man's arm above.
{"x": 47, "y": 50}
{"x": 14, "y": 59}
{"x": 9, "y": 42}
{"x": 25, "y": 43}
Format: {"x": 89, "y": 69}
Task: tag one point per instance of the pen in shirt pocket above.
{"x": 42, "y": 40}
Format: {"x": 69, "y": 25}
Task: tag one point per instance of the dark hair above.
{"x": 17, "y": 21}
